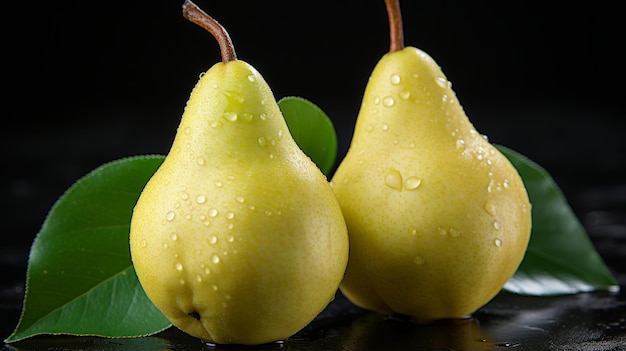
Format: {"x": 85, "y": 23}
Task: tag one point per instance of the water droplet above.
{"x": 442, "y": 82}
{"x": 374, "y": 110}
{"x": 201, "y": 199}
{"x": 385, "y": 127}
{"x": 178, "y": 266}
{"x": 218, "y": 184}
{"x": 496, "y": 225}
{"x": 268, "y": 213}
{"x": 170, "y": 216}
{"x": 490, "y": 186}
{"x": 200, "y": 161}
{"x": 252, "y": 78}
{"x": 207, "y": 270}
{"x": 460, "y": 144}
{"x": 212, "y": 239}
{"x": 230, "y": 215}
{"x": 251, "y": 207}
{"x": 369, "y": 127}
{"x": 174, "y": 236}
{"x": 405, "y": 94}
{"x": 247, "y": 117}
{"x": 442, "y": 231}
{"x": 199, "y": 278}
{"x": 263, "y": 116}
{"x": 412, "y": 230}
{"x": 165, "y": 245}
{"x": 234, "y": 96}
{"x": 376, "y": 100}
{"x": 215, "y": 258}
{"x": 215, "y": 124}
{"x": 144, "y": 243}
{"x": 213, "y": 213}
{"x": 411, "y": 183}
{"x": 182, "y": 281}
{"x": 388, "y": 101}
{"x": 214, "y": 287}
{"x": 187, "y": 130}
{"x": 444, "y": 98}
{"x": 393, "y": 179}
{"x": 201, "y": 75}
{"x": 280, "y": 134}
{"x": 497, "y": 242}
{"x": 230, "y": 239}
{"x": 239, "y": 199}
{"x": 395, "y": 79}
{"x": 506, "y": 184}
{"x": 230, "y": 226}
{"x": 454, "y": 233}
{"x": 184, "y": 196}
{"x": 230, "y": 116}
{"x": 419, "y": 260}
{"x": 415, "y": 75}
{"x": 490, "y": 208}
{"x": 261, "y": 141}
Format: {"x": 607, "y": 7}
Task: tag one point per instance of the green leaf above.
{"x": 80, "y": 278}
{"x": 560, "y": 258}
{"x": 312, "y": 130}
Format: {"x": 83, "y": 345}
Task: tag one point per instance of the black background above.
{"x": 93, "y": 81}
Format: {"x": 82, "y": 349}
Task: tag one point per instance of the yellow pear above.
{"x": 438, "y": 218}
{"x": 238, "y": 237}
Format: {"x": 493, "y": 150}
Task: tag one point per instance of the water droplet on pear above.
{"x": 393, "y": 179}
{"x": 170, "y": 216}
{"x": 412, "y": 183}
{"x": 394, "y": 79}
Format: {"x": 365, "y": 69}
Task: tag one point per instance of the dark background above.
{"x": 88, "y": 82}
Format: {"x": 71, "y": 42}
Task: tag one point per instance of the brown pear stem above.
{"x": 194, "y": 14}
{"x": 396, "y": 34}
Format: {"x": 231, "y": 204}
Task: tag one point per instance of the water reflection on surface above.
{"x": 594, "y": 321}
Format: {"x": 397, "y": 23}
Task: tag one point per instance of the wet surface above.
{"x": 591, "y": 321}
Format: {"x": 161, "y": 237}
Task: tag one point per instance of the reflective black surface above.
{"x": 585, "y": 322}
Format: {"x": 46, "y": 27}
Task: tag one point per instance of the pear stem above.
{"x": 396, "y": 34}
{"x": 194, "y": 14}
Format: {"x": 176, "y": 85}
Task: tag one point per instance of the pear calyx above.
{"x": 195, "y": 15}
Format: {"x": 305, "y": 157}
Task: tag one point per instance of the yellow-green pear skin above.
{"x": 438, "y": 218}
{"x": 238, "y": 237}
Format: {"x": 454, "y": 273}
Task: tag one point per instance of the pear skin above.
{"x": 438, "y": 218}
{"x": 238, "y": 237}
